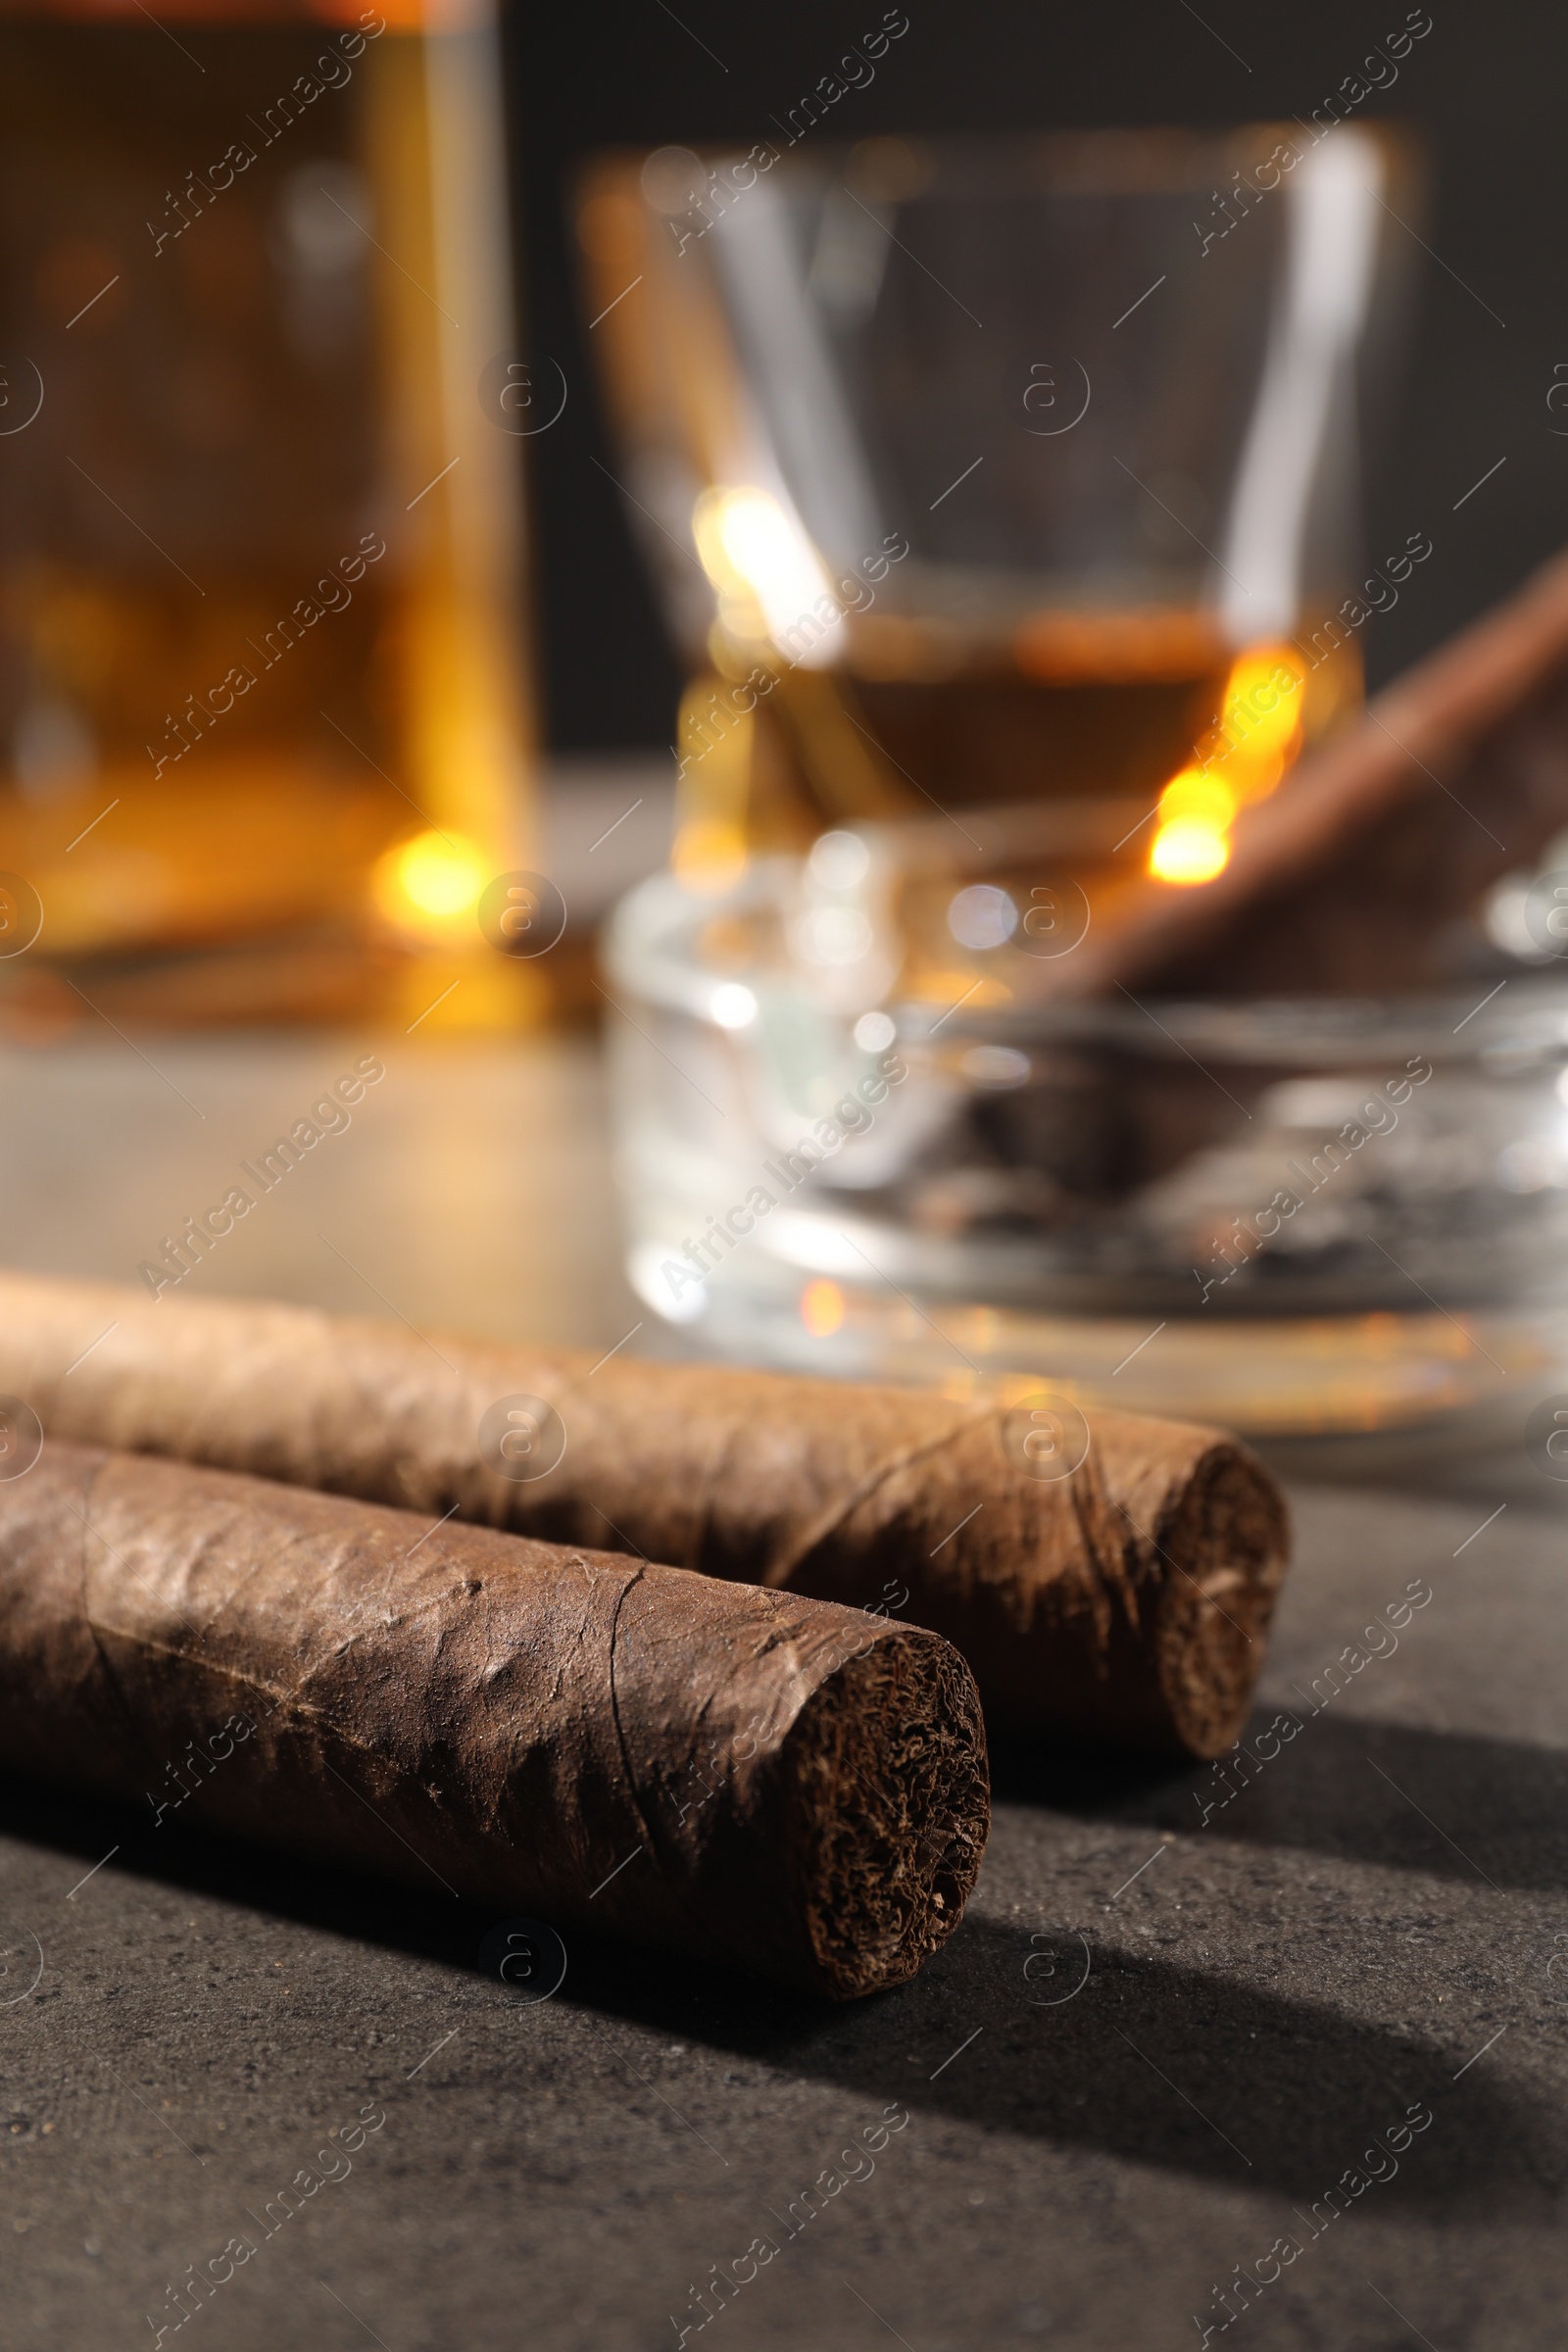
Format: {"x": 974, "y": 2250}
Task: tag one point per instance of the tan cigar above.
{"x": 1122, "y": 1595}
{"x": 755, "y": 1778}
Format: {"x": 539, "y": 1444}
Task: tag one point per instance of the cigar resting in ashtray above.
{"x": 753, "y": 1777}
{"x": 1122, "y": 1595}
{"x": 1349, "y": 878}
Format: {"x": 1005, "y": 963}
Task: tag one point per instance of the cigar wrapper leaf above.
{"x": 1349, "y": 879}
{"x": 755, "y": 1779}
{"x": 1128, "y": 1601}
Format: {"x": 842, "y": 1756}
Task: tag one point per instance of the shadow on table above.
{"x": 1482, "y": 1811}
{"x": 1150, "y": 2061}
{"x": 1147, "y": 2059}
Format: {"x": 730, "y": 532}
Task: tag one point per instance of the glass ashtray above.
{"x": 1303, "y": 1219}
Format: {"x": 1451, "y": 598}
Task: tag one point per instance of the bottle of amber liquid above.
{"x": 263, "y": 725}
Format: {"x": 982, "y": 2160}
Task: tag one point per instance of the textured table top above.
{"x": 1180, "y": 2011}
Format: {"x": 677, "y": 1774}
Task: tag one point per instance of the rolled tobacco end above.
{"x": 1111, "y": 1580}
{"x": 753, "y": 1777}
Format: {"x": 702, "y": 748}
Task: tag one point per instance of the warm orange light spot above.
{"x": 429, "y": 885}
{"x": 1189, "y": 851}
{"x": 1241, "y": 758}
{"x": 1260, "y": 730}
{"x": 933, "y": 986}
{"x": 821, "y": 1308}
{"x": 1192, "y": 843}
{"x": 1195, "y": 799}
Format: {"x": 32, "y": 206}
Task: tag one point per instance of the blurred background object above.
{"x": 993, "y": 613}
{"x": 1069, "y": 560}
{"x": 1485, "y": 330}
{"x": 264, "y": 723}
{"x": 1070, "y": 609}
{"x": 1320, "y": 1222}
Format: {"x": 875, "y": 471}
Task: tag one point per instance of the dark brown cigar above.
{"x": 755, "y": 1778}
{"x": 1111, "y": 1581}
{"x": 1348, "y": 877}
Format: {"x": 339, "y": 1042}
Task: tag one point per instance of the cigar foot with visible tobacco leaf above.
{"x": 1122, "y": 1594}
{"x": 753, "y": 1777}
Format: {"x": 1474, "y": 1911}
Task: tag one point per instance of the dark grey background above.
{"x": 1484, "y": 89}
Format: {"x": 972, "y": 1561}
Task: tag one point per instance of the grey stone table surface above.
{"x": 1281, "y": 2058}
